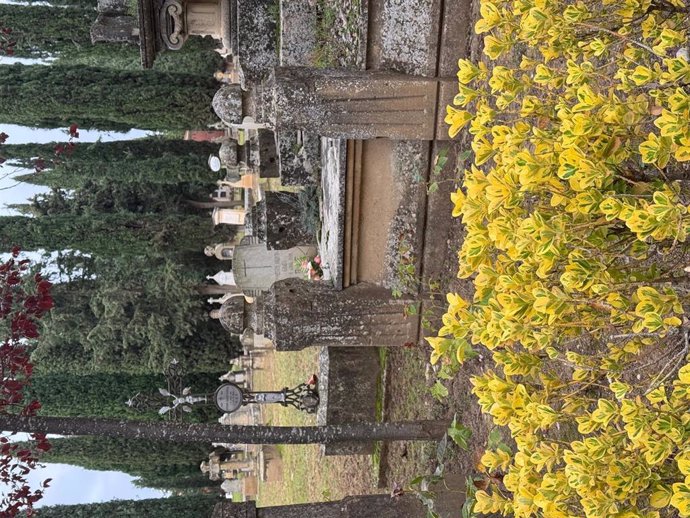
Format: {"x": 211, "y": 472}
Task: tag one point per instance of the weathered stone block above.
{"x": 257, "y": 23}
{"x": 300, "y": 157}
{"x": 283, "y": 227}
{"x": 111, "y": 6}
{"x": 109, "y": 28}
{"x": 367, "y": 506}
{"x": 348, "y": 379}
{"x": 352, "y": 104}
{"x": 298, "y": 24}
{"x": 300, "y": 314}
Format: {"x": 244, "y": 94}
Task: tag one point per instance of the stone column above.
{"x": 301, "y": 313}
{"x": 352, "y": 104}
{"x": 369, "y": 506}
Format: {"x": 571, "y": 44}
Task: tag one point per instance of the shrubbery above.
{"x": 576, "y": 210}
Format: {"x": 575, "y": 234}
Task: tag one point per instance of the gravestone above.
{"x": 256, "y": 268}
{"x": 301, "y": 314}
{"x": 227, "y": 104}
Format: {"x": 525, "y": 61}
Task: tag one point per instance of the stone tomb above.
{"x": 166, "y": 24}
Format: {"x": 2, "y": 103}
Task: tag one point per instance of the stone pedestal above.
{"x": 349, "y": 104}
{"x": 257, "y": 23}
{"x": 348, "y": 382}
{"x": 114, "y": 28}
{"x": 300, "y": 314}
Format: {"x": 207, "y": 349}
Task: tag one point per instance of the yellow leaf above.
{"x": 661, "y": 496}
{"x": 681, "y": 499}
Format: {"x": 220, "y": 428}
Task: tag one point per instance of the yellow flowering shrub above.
{"x": 576, "y": 213}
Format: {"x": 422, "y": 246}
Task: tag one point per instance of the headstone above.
{"x": 223, "y": 277}
{"x": 221, "y": 251}
{"x": 256, "y": 267}
{"x": 348, "y": 374}
{"x": 231, "y": 486}
{"x": 231, "y": 315}
{"x": 227, "y": 104}
{"x": 223, "y": 216}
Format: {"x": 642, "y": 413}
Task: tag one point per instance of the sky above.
{"x": 70, "y": 484}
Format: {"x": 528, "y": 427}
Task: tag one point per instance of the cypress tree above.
{"x": 43, "y": 31}
{"x": 111, "y": 234}
{"x": 148, "y": 160}
{"x": 136, "y": 457}
{"x": 136, "y": 316}
{"x": 196, "y": 57}
{"x": 59, "y": 95}
{"x": 105, "y": 394}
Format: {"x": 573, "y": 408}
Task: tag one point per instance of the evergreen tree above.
{"x": 120, "y": 197}
{"x": 105, "y": 394}
{"x": 198, "y": 506}
{"x": 155, "y": 464}
{"x": 137, "y": 315}
{"x": 59, "y": 95}
{"x": 43, "y": 31}
{"x": 112, "y": 234}
{"x": 150, "y": 160}
{"x": 197, "y": 57}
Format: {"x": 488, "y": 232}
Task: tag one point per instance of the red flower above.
{"x": 15, "y": 251}
{"x": 74, "y": 131}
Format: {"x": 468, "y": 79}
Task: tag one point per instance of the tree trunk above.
{"x": 184, "y": 432}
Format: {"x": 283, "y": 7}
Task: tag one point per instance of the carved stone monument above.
{"x": 352, "y": 104}
{"x": 300, "y": 314}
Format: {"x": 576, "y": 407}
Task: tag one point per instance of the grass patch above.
{"x": 307, "y": 475}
